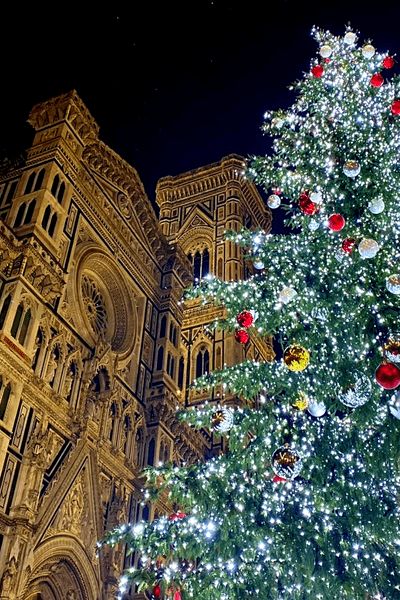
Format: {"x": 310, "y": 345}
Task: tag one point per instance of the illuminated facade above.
{"x": 96, "y": 349}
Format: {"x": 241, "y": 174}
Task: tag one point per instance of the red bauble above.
{"x": 376, "y": 80}
{"x": 388, "y": 62}
{"x": 395, "y": 108}
{"x": 336, "y": 222}
{"x": 388, "y": 376}
{"x": 245, "y": 318}
{"x": 348, "y": 245}
{"x": 176, "y": 516}
{"x": 177, "y": 595}
{"x": 157, "y": 591}
{"x": 317, "y": 71}
{"x": 278, "y": 479}
{"x": 242, "y": 336}
{"x": 327, "y": 60}
{"x": 307, "y": 206}
{"x": 277, "y": 191}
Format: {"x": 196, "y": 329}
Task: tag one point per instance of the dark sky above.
{"x": 173, "y": 85}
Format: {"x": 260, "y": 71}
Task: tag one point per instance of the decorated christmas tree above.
{"x": 305, "y": 501}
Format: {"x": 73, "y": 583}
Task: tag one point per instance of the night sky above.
{"x": 173, "y": 85}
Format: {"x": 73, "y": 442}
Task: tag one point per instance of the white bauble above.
{"x": 274, "y": 201}
{"x": 376, "y": 206}
{"x": 287, "y": 294}
{"x": 313, "y": 224}
{"x": 368, "y": 248}
{"x": 316, "y": 409}
{"x": 350, "y": 38}
{"x": 393, "y": 283}
{"x": 394, "y": 405}
{"x": 325, "y": 51}
{"x": 222, "y": 419}
{"x": 258, "y": 264}
{"x": 316, "y": 197}
{"x": 368, "y": 51}
{"x": 286, "y": 462}
{"x": 351, "y": 168}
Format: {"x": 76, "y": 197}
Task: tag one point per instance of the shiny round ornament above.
{"x": 316, "y": 409}
{"x": 286, "y": 462}
{"x": 245, "y": 318}
{"x": 388, "y": 62}
{"x": 177, "y": 516}
{"x": 376, "y": 80}
{"x": 325, "y": 51}
{"x": 242, "y": 336}
{"x": 394, "y": 405}
{"x": 157, "y": 591}
{"x": 336, "y": 222}
{"x": 368, "y": 248}
{"x": 348, "y": 245}
{"x": 296, "y": 358}
{"x": 274, "y": 201}
{"x": 316, "y": 197}
{"x": 350, "y": 38}
{"x": 302, "y": 402}
{"x": 313, "y": 225}
{"x": 387, "y": 375}
{"x": 395, "y": 107}
{"x": 319, "y": 313}
{"x": 287, "y": 294}
{"x": 307, "y": 206}
{"x": 368, "y": 51}
{"x": 358, "y": 394}
{"x": 258, "y": 264}
{"x": 391, "y": 350}
{"x": 376, "y": 206}
{"x": 393, "y": 283}
{"x": 351, "y": 168}
{"x": 317, "y": 71}
{"x": 222, "y": 419}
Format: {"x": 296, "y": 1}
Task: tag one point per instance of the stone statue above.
{"x": 8, "y": 578}
{"x": 51, "y": 368}
{"x": 68, "y": 381}
{"x": 73, "y": 509}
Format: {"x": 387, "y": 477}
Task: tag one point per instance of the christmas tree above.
{"x": 304, "y": 503}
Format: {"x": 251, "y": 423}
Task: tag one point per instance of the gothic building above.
{"x": 96, "y": 347}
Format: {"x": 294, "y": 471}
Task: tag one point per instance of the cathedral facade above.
{"x": 97, "y": 349}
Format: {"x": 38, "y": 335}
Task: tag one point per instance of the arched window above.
{"x": 202, "y": 362}
{"x": 17, "y": 320}
{"x": 127, "y": 430}
{"x": 61, "y": 192}
{"x": 146, "y": 513}
{"x": 171, "y": 367}
{"x": 171, "y": 332}
{"x": 4, "y": 310}
{"x": 139, "y": 446}
{"x": 205, "y": 265}
{"x": 29, "y": 212}
{"x": 151, "y": 452}
{"x": 46, "y": 217}
{"x": 197, "y": 266}
{"x": 39, "y": 180}
{"x": 55, "y": 184}
{"x": 218, "y": 358}
{"x": 181, "y": 372}
{"x": 20, "y": 215}
{"x": 52, "y": 225}
{"x": 29, "y": 183}
{"x": 113, "y": 414}
{"x": 24, "y": 327}
{"x": 5, "y": 395}
{"x": 163, "y": 326}
{"x": 160, "y": 358}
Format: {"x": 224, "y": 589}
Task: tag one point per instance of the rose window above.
{"x": 94, "y": 304}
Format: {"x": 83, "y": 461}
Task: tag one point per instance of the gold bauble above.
{"x": 302, "y": 402}
{"x": 296, "y": 358}
{"x": 391, "y": 350}
{"x": 217, "y": 418}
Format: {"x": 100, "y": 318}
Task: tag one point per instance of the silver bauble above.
{"x": 359, "y": 393}
{"x": 351, "y": 168}
{"x": 350, "y": 38}
{"x": 287, "y": 294}
{"x": 376, "y": 206}
{"x": 316, "y": 409}
{"x": 368, "y": 51}
{"x": 222, "y": 419}
{"x": 394, "y": 405}
{"x": 286, "y": 462}
{"x": 316, "y": 197}
{"x": 368, "y": 248}
{"x": 319, "y": 313}
{"x": 258, "y": 264}
{"x": 393, "y": 283}
{"x": 325, "y": 51}
{"x": 274, "y": 201}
